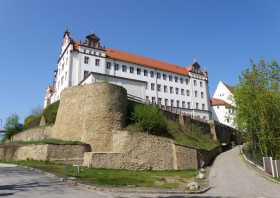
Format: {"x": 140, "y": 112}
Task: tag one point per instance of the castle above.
{"x": 146, "y": 79}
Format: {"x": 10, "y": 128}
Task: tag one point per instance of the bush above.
{"x": 50, "y": 113}
{"x": 150, "y": 119}
{"x": 32, "y": 121}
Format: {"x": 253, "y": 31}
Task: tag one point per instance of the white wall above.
{"x": 221, "y": 113}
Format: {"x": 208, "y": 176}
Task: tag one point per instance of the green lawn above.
{"x": 110, "y": 177}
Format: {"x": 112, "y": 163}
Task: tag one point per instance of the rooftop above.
{"x": 219, "y": 102}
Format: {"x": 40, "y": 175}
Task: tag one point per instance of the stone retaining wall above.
{"x": 145, "y": 152}
{"x": 71, "y": 154}
{"x": 38, "y": 133}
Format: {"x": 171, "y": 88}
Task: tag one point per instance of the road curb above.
{"x": 136, "y": 191}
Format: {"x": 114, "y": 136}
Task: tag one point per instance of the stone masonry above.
{"x": 89, "y": 114}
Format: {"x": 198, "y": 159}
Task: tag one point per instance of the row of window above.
{"x": 152, "y": 74}
{"x": 86, "y": 61}
{"x": 171, "y": 90}
{"x": 178, "y": 104}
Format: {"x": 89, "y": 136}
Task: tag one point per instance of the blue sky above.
{"x": 222, "y": 35}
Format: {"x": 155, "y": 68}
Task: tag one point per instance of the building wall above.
{"x": 222, "y": 113}
{"x": 133, "y": 87}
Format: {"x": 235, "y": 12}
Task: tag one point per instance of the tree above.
{"x": 12, "y": 126}
{"x": 257, "y": 98}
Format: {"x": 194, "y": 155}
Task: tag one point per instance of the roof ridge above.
{"x": 147, "y": 61}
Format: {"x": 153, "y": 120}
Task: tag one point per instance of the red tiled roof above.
{"x": 148, "y": 62}
{"x": 219, "y": 102}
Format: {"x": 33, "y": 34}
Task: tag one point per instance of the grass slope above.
{"x": 192, "y": 137}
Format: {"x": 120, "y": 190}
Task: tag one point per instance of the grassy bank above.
{"x": 118, "y": 178}
{"x": 192, "y": 137}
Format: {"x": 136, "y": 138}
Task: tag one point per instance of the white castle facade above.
{"x": 149, "y": 80}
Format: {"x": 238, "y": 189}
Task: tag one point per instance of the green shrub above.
{"x": 150, "y": 119}
{"x": 32, "y": 121}
{"x": 50, "y": 113}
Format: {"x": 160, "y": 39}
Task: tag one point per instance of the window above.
{"x": 182, "y": 92}
{"x": 227, "y": 120}
{"x": 151, "y": 74}
{"x": 86, "y": 59}
{"x": 189, "y": 105}
{"x": 202, "y": 95}
{"x": 171, "y": 103}
{"x": 196, "y": 105}
{"x": 178, "y": 103}
{"x": 166, "y": 102}
{"x": 165, "y": 88}
{"x": 187, "y": 81}
{"x": 124, "y": 68}
{"x": 108, "y": 65}
{"x": 203, "y": 106}
{"x": 97, "y": 62}
{"x": 177, "y": 91}
{"x": 145, "y": 73}
{"x": 152, "y": 86}
{"x": 159, "y": 101}
{"x": 116, "y": 67}
{"x": 86, "y": 73}
{"x": 147, "y": 98}
{"x": 181, "y": 80}
{"x": 171, "y": 89}
{"x": 195, "y": 93}
{"x": 170, "y": 78}
{"x": 188, "y": 92}
{"x": 158, "y": 75}
{"x": 194, "y": 82}
{"x": 131, "y": 69}
{"x": 176, "y": 79}
{"x": 183, "y": 104}
{"x": 200, "y": 83}
{"x": 138, "y": 71}
{"x": 158, "y": 87}
{"x": 164, "y": 76}
{"x": 153, "y": 100}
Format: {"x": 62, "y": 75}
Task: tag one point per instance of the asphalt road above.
{"x": 230, "y": 177}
